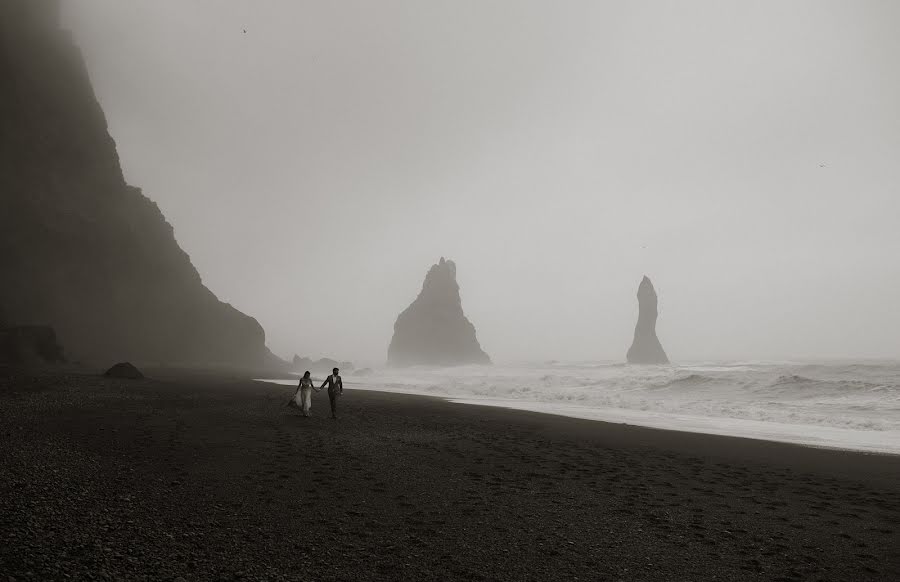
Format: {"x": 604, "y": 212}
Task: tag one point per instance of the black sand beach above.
{"x": 202, "y": 476}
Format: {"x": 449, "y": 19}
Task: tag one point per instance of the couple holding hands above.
{"x": 303, "y": 396}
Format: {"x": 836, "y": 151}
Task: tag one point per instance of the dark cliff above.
{"x": 433, "y": 330}
{"x": 80, "y": 249}
{"x": 646, "y": 349}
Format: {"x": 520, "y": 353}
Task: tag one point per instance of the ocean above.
{"x": 830, "y": 404}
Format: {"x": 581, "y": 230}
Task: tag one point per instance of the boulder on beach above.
{"x": 646, "y": 349}
{"x": 124, "y": 370}
{"x": 433, "y": 330}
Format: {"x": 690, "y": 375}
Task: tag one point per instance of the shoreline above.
{"x": 613, "y": 416}
{"x": 814, "y": 436}
{"x": 208, "y": 476}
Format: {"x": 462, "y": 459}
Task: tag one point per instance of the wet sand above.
{"x": 209, "y": 476}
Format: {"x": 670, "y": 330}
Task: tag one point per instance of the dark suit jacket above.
{"x": 336, "y": 385}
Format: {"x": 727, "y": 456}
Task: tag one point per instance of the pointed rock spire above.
{"x": 433, "y": 330}
{"x": 646, "y": 349}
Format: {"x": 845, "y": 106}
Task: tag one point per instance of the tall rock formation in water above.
{"x": 646, "y": 349}
{"x": 80, "y": 249}
{"x": 433, "y": 330}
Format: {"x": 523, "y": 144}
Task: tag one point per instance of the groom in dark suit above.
{"x": 335, "y": 389}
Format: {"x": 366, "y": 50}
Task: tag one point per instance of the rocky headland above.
{"x": 81, "y": 250}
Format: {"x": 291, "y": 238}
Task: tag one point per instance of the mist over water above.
{"x": 316, "y": 157}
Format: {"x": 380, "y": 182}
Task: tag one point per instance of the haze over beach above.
{"x": 743, "y": 155}
{"x": 449, "y": 291}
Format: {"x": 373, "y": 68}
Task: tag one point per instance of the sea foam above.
{"x": 842, "y": 405}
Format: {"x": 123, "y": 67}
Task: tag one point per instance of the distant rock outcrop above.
{"x": 124, "y": 370}
{"x": 433, "y": 330}
{"x": 322, "y": 365}
{"x": 27, "y": 344}
{"x": 80, "y": 249}
{"x": 646, "y": 348}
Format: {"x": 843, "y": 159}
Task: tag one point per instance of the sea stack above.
{"x": 433, "y": 330}
{"x": 646, "y": 349}
{"x": 82, "y": 250}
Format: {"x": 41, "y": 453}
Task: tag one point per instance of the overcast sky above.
{"x": 743, "y": 155}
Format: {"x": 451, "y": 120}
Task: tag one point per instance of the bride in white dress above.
{"x": 303, "y": 396}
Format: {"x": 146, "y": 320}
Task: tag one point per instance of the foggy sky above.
{"x": 743, "y": 155}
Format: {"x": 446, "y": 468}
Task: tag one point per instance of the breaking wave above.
{"x": 856, "y": 405}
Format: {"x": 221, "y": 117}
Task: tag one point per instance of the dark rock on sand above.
{"x": 29, "y": 344}
{"x": 646, "y": 349}
{"x": 124, "y": 370}
{"x": 433, "y": 330}
{"x": 81, "y": 249}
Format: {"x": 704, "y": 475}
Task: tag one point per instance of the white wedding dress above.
{"x": 303, "y": 398}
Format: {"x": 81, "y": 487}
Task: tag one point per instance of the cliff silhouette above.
{"x": 433, "y": 330}
{"x": 80, "y": 249}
